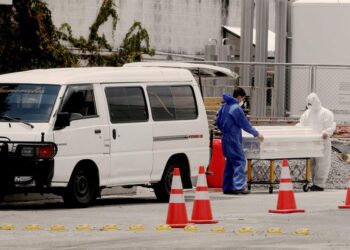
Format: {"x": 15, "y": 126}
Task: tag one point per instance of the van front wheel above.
{"x": 82, "y": 189}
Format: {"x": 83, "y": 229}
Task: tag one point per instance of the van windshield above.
{"x": 27, "y": 102}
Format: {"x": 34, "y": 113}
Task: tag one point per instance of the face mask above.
{"x": 241, "y": 103}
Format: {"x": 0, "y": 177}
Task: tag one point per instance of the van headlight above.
{"x": 45, "y": 151}
{"x": 28, "y": 151}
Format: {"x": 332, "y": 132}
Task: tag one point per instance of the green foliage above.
{"x": 135, "y": 43}
{"x": 107, "y": 9}
{"x": 90, "y": 48}
{"x": 132, "y": 44}
{"x": 29, "y": 39}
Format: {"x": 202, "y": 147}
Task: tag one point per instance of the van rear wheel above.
{"x": 82, "y": 189}
{"x": 162, "y": 189}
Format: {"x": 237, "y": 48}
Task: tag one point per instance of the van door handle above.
{"x": 97, "y": 131}
{"x": 114, "y": 134}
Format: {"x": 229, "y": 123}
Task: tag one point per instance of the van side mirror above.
{"x": 62, "y": 120}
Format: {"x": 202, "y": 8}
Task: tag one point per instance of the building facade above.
{"x": 176, "y": 27}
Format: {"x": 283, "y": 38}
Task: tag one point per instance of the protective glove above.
{"x": 260, "y": 137}
{"x": 324, "y": 135}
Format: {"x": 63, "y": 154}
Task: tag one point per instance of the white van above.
{"x": 75, "y": 131}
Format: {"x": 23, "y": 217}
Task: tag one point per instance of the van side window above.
{"x": 172, "y": 103}
{"x": 79, "y": 102}
{"x": 126, "y": 104}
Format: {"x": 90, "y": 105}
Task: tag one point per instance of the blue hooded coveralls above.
{"x": 231, "y": 120}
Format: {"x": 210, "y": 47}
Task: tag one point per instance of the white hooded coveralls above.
{"x": 321, "y": 120}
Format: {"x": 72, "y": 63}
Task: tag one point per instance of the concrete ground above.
{"x": 322, "y": 226}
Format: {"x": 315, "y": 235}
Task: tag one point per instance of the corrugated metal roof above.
{"x": 270, "y": 42}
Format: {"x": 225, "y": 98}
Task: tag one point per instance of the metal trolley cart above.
{"x": 281, "y": 142}
{"x": 269, "y": 174}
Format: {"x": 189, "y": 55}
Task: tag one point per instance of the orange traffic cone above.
{"x": 201, "y": 212}
{"x": 286, "y": 201}
{"x": 347, "y": 201}
{"x": 177, "y": 215}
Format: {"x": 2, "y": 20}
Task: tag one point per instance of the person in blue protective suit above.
{"x": 321, "y": 120}
{"x": 231, "y": 120}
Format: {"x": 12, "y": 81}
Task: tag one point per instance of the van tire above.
{"x": 162, "y": 189}
{"x": 82, "y": 188}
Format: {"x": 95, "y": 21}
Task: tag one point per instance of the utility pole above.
{"x": 259, "y": 90}
{"x": 246, "y": 42}
{"x": 279, "y": 98}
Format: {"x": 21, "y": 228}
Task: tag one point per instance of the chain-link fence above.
{"x": 280, "y": 90}
{"x": 332, "y": 84}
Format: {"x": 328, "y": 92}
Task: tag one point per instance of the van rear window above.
{"x": 126, "y": 104}
{"x": 172, "y": 103}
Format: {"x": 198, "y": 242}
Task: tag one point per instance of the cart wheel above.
{"x": 249, "y": 187}
{"x": 271, "y": 190}
{"x": 306, "y": 188}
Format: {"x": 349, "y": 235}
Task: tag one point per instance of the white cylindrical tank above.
{"x": 321, "y": 35}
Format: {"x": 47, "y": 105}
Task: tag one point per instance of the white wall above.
{"x": 321, "y": 30}
{"x": 177, "y": 26}
{"x": 79, "y": 14}
{"x": 321, "y": 35}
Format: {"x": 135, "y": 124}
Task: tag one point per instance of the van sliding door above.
{"x": 131, "y": 135}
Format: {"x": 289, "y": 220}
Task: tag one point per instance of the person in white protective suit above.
{"x": 322, "y": 121}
